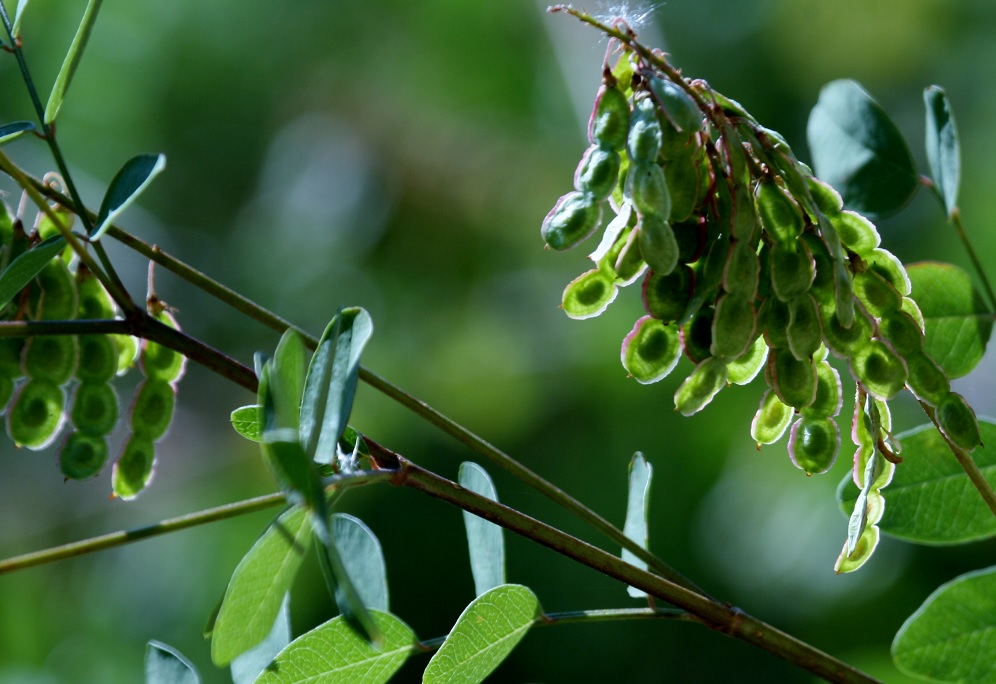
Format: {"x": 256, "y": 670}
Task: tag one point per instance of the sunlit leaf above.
{"x": 335, "y": 652}
{"x": 26, "y": 266}
{"x": 483, "y": 636}
{"x": 247, "y": 421}
{"x": 858, "y": 150}
{"x": 363, "y": 559}
{"x": 15, "y": 130}
{"x": 952, "y": 636}
{"x": 165, "y": 665}
{"x": 943, "y": 152}
{"x": 957, "y": 320}
{"x": 484, "y": 539}
{"x": 331, "y": 382}
{"x": 125, "y": 188}
{"x": 248, "y": 666}
{"x": 289, "y": 361}
{"x": 931, "y": 500}
{"x": 18, "y": 15}
{"x": 72, "y": 60}
{"x": 256, "y": 591}
{"x": 637, "y": 508}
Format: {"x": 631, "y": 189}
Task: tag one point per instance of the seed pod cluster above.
{"x": 749, "y": 263}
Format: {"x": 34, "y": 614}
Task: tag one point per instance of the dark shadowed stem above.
{"x": 976, "y": 263}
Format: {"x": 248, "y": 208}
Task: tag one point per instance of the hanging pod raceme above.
{"x": 748, "y": 263}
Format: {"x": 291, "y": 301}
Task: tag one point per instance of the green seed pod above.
{"x": 629, "y": 264}
{"x": 58, "y": 287}
{"x": 864, "y": 547}
{"x": 95, "y": 302}
{"x": 780, "y": 215}
{"x": 927, "y": 381}
{"x": 134, "y": 468}
{"x": 46, "y": 228}
{"x": 683, "y": 181}
{"x": 879, "y": 369}
{"x": 159, "y": 362}
{"x": 844, "y": 342}
{"x": 958, "y": 422}
{"x": 804, "y": 333}
{"x": 98, "y": 358}
{"x": 910, "y": 307}
{"x": 609, "y": 122}
{"x": 679, "y": 108}
{"x": 51, "y": 357}
{"x": 598, "y": 172}
{"x": 572, "y": 220}
{"x": 903, "y": 333}
{"x": 829, "y": 393}
{"x": 734, "y": 326}
{"x": 744, "y": 223}
{"x": 665, "y": 297}
{"x": 888, "y": 265}
{"x": 696, "y": 336}
{"x": 152, "y": 409}
{"x": 699, "y": 388}
{"x": 649, "y": 190}
{"x": 856, "y": 232}
{"x": 128, "y": 349}
{"x": 743, "y": 270}
{"x": 691, "y": 238}
{"x": 876, "y": 293}
{"x": 36, "y": 414}
{"x": 813, "y": 444}
{"x": 82, "y": 456}
{"x": 657, "y": 244}
{"x": 11, "y": 349}
{"x": 822, "y": 288}
{"x": 792, "y": 379}
{"x": 771, "y": 420}
{"x": 775, "y": 317}
{"x": 589, "y": 295}
{"x": 95, "y": 408}
{"x": 745, "y": 368}
{"x": 645, "y": 136}
{"x": 827, "y": 199}
{"x": 792, "y": 270}
{"x": 651, "y": 350}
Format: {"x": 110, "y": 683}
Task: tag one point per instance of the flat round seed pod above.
{"x": 94, "y": 301}
{"x": 95, "y": 408}
{"x": 609, "y": 122}
{"x": 813, "y": 444}
{"x": 598, "y": 172}
{"x": 743, "y": 270}
{"x": 691, "y": 238}
{"x": 903, "y": 333}
{"x": 665, "y": 297}
{"x": 876, "y": 293}
{"x": 958, "y": 422}
{"x": 58, "y": 286}
{"x": 780, "y": 215}
{"x": 152, "y": 409}
{"x": 822, "y": 288}
{"x": 843, "y": 342}
{"x": 588, "y": 295}
{"x": 680, "y": 110}
{"x": 649, "y": 189}
{"x": 792, "y": 379}
{"x": 804, "y": 334}
{"x": 827, "y": 199}
{"x": 745, "y": 368}
{"x": 82, "y": 456}
{"x": 771, "y": 419}
{"x": 651, "y": 350}
{"x": 829, "y": 393}
{"x": 98, "y": 361}
{"x": 572, "y": 220}
{"x": 134, "y": 468}
{"x": 879, "y": 369}
{"x": 699, "y": 388}
{"x": 10, "y": 355}
{"x": 645, "y": 137}
{"x": 792, "y": 270}
{"x": 36, "y": 414}
{"x": 927, "y": 381}
{"x": 696, "y": 336}
{"x": 856, "y": 232}
{"x": 775, "y": 317}
{"x": 657, "y": 243}
{"x": 683, "y": 185}
{"x": 888, "y": 265}
{"x": 744, "y": 224}
{"x": 629, "y": 263}
{"x": 128, "y": 348}
{"x": 734, "y": 326}
{"x": 51, "y": 357}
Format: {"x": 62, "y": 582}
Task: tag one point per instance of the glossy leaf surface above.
{"x": 125, "y": 187}
{"x": 485, "y": 541}
{"x": 246, "y": 420}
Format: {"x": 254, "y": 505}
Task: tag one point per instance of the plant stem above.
{"x": 976, "y": 263}
{"x": 965, "y": 460}
{"x": 720, "y": 617}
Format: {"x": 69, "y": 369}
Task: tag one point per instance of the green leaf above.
{"x": 249, "y": 665}
{"x": 483, "y": 636}
{"x": 958, "y": 323}
{"x": 247, "y": 421}
{"x": 289, "y": 362}
{"x": 484, "y": 539}
{"x": 71, "y": 62}
{"x": 331, "y": 382}
{"x": 334, "y": 652}
{"x": 931, "y": 500}
{"x": 363, "y": 559}
{"x": 14, "y": 130}
{"x": 943, "y": 153}
{"x": 26, "y": 266}
{"x": 637, "y": 507}
{"x": 952, "y": 636}
{"x": 125, "y": 188}
{"x": 165, "y": 665}
{"x": 858, "y": 150}
{"x": 18, "y": 15}
{"x": 256, "y": 591}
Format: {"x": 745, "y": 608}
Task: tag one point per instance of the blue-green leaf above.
{"x": 14, "y": 130}
{"x": 363, "y": 559}
{"x": 18, "y": 15}
{"x": 858, "y": 150}
{"x": 72, "y": 60}
{"x": 943, "y": 152}
{"x": 165, "y": 665}
{"x": 952, "y": 636}
{"x": 334, "y": 652}
{"x": 287, "y": 382}
{"x": 484, "y": 539}
{"x": 26, "y": 266}
{"x": 637, "y": 507}
{"x": 263, "y": 577}
{"x": 249, "y": 665}
{"x": 483, "y": 636}
{"x": 125, "y": 188}
{"x": 247, "y": 421}
{"x": 331, "y": 382}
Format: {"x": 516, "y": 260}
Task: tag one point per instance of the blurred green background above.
{"x": 400, "y": 156}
